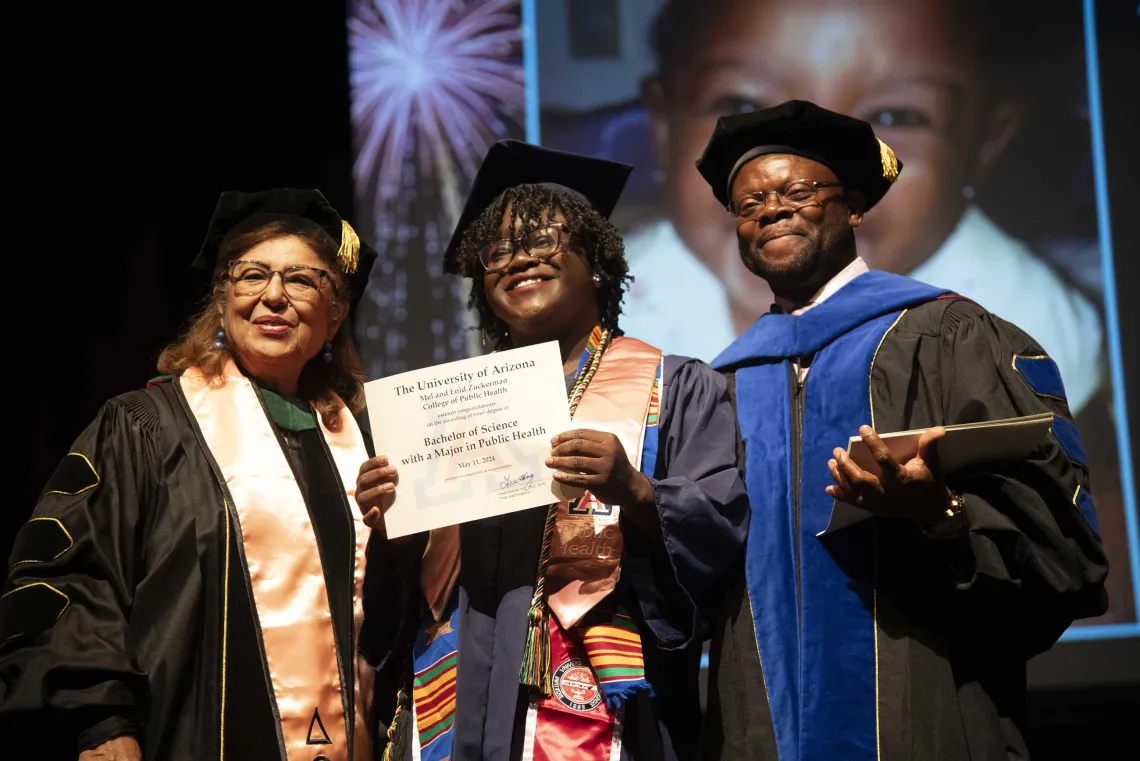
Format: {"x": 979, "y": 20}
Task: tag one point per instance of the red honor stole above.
{"x": 285, "y": 571}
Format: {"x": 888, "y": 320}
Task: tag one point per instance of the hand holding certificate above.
{"x": 470, "y": 438}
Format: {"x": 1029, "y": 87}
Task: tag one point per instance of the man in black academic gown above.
{"x": 905, "y": 635}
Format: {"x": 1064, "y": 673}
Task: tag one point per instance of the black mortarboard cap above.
{"x": 237, "y": 211}
{"x": 510, "y": 163}
{"x": 846, "y": 145}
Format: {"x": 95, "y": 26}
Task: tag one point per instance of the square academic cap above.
{"x": 510, "y": 163}
{"x": 846, "y": 145}
{"x": 237, "y": 211}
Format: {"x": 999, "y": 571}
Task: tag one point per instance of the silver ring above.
{"x": 859, "y": 501}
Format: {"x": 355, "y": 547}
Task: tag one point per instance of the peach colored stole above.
{"x": 585, "y": 554}
{"x": 284, "y": 563}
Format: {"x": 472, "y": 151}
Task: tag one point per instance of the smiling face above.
{"x": 542, "y": 299}
{"x": 902, "y": 66}
{"x": 273, "y": 334}
{"x": 795, "y": 250}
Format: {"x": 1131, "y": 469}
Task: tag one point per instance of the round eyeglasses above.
{"x": 539, "y": 243}
{"x": 251, "y": 278}
{"x": 795, "y": 195}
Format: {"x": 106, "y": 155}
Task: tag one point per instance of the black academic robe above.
{"x": 123, "y": 632}
{"x": 665, "y": 586}
{"x": 927, "y": 659}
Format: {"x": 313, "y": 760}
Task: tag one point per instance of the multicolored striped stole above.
{"x": 435, "y": 656}
{"x": 614, "y": 652}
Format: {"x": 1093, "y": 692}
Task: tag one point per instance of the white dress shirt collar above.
{"x": 853, "y": 270}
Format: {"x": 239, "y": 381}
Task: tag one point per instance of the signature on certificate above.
{"x": 508, "y": 482}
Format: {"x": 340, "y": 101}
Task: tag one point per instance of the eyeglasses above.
{"x": 251, "y": 278}
{"x": 539, "y": 243}
{"x": 794, "y": 195}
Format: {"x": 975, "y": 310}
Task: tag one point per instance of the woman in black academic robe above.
{"x": 139, "y": 620}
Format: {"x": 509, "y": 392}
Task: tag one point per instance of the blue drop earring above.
{"x": 327, "y": 354}
{"x": 220, "y": 343}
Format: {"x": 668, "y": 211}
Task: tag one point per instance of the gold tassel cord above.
{"x": 349, "y": 253}
{"x": 889, "y": 160}
{"x": 396, "y": 748}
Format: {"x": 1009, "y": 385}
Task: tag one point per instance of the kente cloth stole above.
{"x": 285, "y": 573}
{"x": 813, "y": 599}
{"x": 596, "y": 664}
{"x": 435, "y": 657}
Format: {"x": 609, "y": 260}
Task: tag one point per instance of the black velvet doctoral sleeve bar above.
{"x": 66, "y": 656}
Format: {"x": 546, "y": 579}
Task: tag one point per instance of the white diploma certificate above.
{"x": 470, "y": 438}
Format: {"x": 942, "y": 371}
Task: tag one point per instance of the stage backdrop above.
{"x": 993, "y": 107}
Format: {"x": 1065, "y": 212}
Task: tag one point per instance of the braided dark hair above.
{"x": 531, "y": 205}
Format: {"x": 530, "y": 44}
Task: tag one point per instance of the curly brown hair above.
{"x": 320, "y": 382}
{"x": 531, "y": 205}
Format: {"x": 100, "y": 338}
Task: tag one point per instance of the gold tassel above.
{"x": 349, "y": 253}
{"x": 890, "y": 161}
{"x": 397, "y": 746}
{"x": 535, "y": 671}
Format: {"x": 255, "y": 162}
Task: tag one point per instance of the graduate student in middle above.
{"x": 574, "y": 631}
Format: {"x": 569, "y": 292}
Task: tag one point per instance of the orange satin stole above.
{"x": 284, "y": 563}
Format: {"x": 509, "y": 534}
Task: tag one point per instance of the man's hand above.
{"x": 910, "y": 490}
{"x": 596, "y": 461}
{"x": 376, "y": 491}
{"x": 119, "y": 749}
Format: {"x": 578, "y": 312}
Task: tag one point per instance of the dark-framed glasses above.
{"x": 539, "y": 242}
{"x": 250, "y": 278}
{"x": 795, "y": 195}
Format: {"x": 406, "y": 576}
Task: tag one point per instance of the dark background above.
{"x": 124, "y": 124}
